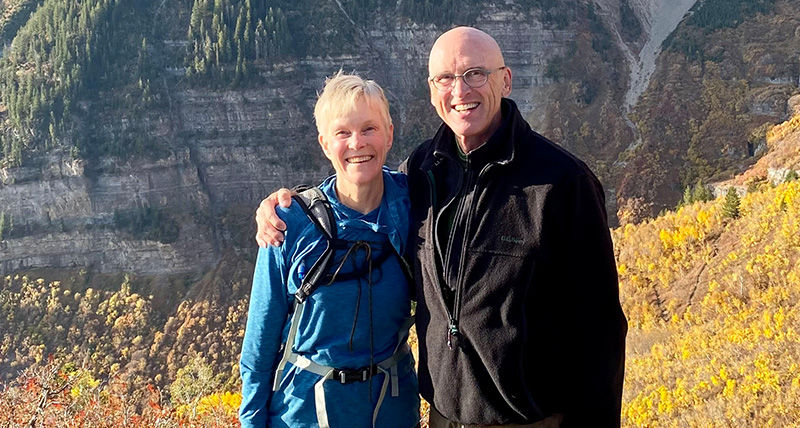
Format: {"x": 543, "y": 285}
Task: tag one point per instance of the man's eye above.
{"x": 474, "y": 73}
{"x": 342, "y": 134}
{"x": 369, "y": 129}
{"x": 444, "y": 78}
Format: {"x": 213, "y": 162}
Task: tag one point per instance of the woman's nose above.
{"x": 356, "y": 141}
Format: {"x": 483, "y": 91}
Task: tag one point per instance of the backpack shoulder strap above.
{"x": 318, "y": 209}
{"x": 408, "y": 272}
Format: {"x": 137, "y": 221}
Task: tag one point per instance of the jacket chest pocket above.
{"x": 506, "y": 223}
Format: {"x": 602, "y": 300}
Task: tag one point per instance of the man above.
{"x": 518, "y": 314}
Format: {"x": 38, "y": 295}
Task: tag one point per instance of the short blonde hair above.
{"x": 339, "y": 97}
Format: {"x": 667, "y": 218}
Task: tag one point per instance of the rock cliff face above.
{"x": 63, "y": 218}
{"x": 233, "y": 147}
{"x": 64, "y": 215}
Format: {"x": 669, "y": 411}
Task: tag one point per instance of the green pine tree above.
{"x": 701, "y": 193}
{"x": 730, "y": 209}
{"x": 687, "y": 197}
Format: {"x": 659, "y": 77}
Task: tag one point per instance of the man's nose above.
{"x": 460, "y": 87}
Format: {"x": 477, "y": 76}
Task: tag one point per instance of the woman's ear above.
{"x": 390, "y": 136}
{"x": 324, "y": 144}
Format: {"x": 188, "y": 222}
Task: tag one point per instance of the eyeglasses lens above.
{"x": 475, "y": 78}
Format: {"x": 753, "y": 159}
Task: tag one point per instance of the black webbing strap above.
{"x": 318, "y": 209}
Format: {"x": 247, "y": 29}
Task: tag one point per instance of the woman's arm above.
{"x": 269, "y": 309}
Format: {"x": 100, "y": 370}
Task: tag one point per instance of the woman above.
{"x": 345, "y": 362}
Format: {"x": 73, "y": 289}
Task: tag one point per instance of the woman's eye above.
{"x": 343, "y": 134}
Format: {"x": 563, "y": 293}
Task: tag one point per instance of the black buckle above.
{"x": 357, "y": 375}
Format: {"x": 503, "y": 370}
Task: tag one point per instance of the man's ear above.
{"x": 506, "y": 82}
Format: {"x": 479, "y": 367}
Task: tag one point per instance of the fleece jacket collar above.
{"x": 498, "y": 149}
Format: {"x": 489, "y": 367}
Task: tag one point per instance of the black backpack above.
{"x": 318, "y": 209}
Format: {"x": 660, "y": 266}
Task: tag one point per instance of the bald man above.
{"x": 518, "y": 313}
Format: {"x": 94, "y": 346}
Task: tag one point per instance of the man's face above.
{"x": 472, "y": 113}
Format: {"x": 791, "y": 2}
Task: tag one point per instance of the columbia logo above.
{"x": 511, "y": 239}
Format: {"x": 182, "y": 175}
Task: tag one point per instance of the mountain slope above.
{"x": 713, "y": 301}
{"x": 130, "y": 129}
{"x": 724, "y": 75}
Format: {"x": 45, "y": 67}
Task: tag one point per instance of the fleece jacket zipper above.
{"x": 453, "y": 322}
{"x": 453, "y": 331}
{"x": 432, "y": 232}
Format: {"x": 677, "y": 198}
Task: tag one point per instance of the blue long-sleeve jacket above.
{"x": 332, "y": 314}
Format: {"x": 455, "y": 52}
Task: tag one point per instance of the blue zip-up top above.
{"x": 338, "y": 328}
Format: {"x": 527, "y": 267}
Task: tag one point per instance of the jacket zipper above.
{"x": 464, "y": 243}
{"x": 452, "y": 331}
{"x": 432, "y": 187}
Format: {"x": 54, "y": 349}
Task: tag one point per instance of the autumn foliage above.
{"x": 103, "y": 357}
{"x": 713, "y": 304}
{"x": 54, "y": 394}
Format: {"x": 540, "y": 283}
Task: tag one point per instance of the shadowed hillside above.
{"x": 722, "y": 80}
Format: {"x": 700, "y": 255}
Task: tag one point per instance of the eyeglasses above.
{"x": 474, "y": 78}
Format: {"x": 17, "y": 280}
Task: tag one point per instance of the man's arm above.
{"x": 270, "y": 226}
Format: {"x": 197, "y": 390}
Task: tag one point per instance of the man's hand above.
{"x": 270, "y": 226}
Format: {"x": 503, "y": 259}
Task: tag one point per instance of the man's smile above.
{"x": 465, "y": 106}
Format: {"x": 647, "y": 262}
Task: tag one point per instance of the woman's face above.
{"x": 357, "y": 143}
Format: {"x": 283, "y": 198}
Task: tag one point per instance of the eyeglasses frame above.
{"x": 463, "y": 76}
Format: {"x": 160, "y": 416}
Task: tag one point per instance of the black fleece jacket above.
{"x": 518, "y": 313}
